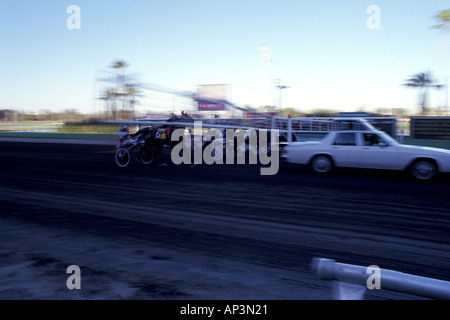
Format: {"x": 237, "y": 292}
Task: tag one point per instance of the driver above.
{"x": 124, "y": 135}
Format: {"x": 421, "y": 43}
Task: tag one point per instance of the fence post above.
{"x": 289, "y": 129}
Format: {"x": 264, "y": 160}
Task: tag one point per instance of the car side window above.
{"x": 371, "y": 139}
{"x": 346, "y": 139}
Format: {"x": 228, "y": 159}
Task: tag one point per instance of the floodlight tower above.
{"x": 280, "y": 87}
{"x": 117, "y": 91}
{"x": 266, "y": 75}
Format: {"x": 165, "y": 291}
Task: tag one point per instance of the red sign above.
{"x": 202, "y": 106}
{"x": 213, "y": 95}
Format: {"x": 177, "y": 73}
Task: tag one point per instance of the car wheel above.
{"x": 423, "y": 169}
{"x": 322, "y": 164}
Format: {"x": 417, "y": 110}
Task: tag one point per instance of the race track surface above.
{"x": 205, "y": 232}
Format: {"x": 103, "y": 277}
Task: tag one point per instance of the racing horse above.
{"x": 152, "y": 143}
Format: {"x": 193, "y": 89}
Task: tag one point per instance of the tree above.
{"x": 444, "y": 20}
{"x": 292, "y": 112}
{"x": 400, "y": 112}
{"x": 120, "y": 96}
{"x": 422, "y": 81}
{"x": 322, "y": 113}
{"x": 109, "y": 95}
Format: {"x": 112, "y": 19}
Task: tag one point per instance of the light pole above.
{"x": 446, "y": 96}
{"x": 280, "y": 87}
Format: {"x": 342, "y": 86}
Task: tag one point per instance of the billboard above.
{"x": 208, "y": 92}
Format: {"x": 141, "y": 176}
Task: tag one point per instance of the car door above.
{"x": 344, "y": 149}
{"x": 376, "y": 153}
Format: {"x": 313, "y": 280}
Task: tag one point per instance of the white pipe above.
{"x": 327, "y": 269}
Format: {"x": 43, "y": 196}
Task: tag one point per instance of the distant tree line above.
{"x": 69, "y": 115}
{"x": 44, "y": 115}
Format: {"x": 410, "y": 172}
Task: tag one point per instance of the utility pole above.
{"x": 280, "y": 87}
{"x": 447, "y": 111}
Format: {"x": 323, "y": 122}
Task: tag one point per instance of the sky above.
{"x": 333, "y": 54}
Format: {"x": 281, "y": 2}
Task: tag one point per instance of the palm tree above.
{"x": 119, "y": 64}
{"x": 423, "y": 81}
{"x": 121, "y": 96}
{"x": 122, "y": 87}
{"x": 443, "y": 19}
{"x": 132, "y": 91}
{"x": 109, "y": 95}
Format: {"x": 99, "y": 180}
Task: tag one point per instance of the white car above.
{"x": 369, "y": 149}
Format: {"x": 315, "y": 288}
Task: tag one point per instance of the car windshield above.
{"x": 388, "y": 139}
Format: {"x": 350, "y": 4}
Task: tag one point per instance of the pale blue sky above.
{"x": 322, "y": 49}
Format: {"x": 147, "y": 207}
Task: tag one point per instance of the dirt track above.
{"x": 205, "y": 232}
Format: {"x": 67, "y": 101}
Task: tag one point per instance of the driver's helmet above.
{"x": 124, "y": 128}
